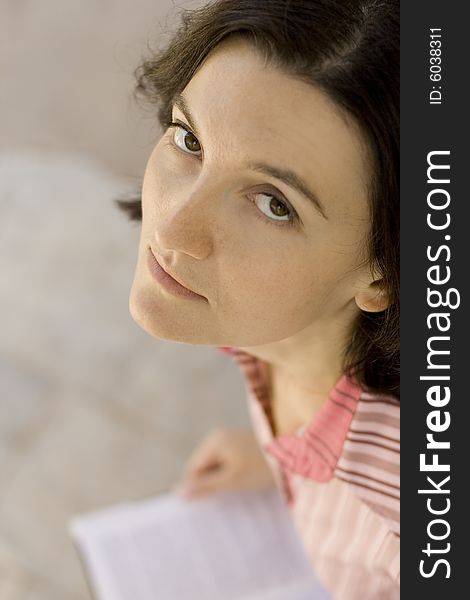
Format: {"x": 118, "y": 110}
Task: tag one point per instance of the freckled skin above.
{"x": 287, "y": 294}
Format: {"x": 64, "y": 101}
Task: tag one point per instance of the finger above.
{"x": 199, "y": 467}
{"x": 207, "y": 484}
{"x": 206, "y": 456}
{"x": 189, "y": 477}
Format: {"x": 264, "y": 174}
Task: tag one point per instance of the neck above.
{"x": 310, "y": 360}
{"x": 303, "y": 370}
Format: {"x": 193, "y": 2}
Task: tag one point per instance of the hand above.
{"x": 226, "y": 459}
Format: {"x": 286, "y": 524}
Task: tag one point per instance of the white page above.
{"x": 231, "y": 546}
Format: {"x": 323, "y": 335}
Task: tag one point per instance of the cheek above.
{"x": 159, "y": 181}
{"x": 265, "y": 286}
{"x": 149, "y": 188}
{"x": 287, "y": 290}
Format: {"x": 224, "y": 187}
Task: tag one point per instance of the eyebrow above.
{"x": 180, "y": 102}
{"x": 289, "y": 177}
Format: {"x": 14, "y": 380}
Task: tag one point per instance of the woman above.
{"x": 270, "y": 229}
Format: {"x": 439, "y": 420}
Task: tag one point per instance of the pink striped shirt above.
{"x": 340, "y": 476}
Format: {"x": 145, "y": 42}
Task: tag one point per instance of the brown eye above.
{"x": 273, "y": 207}
{"x": 278, "y": 208}
{"x": 191, "y": 142}
{"x": 186, "y": 140}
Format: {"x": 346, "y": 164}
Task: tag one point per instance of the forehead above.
{"x": 247, "y": 111}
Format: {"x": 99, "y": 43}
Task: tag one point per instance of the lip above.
{"x": 167, "y": 281}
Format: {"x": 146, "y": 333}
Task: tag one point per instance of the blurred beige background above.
{"x": 93, "y": 410}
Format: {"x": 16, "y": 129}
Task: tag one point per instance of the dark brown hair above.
{"x": 350, "y": 50}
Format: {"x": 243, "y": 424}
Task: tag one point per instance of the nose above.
{"x": 188, "y": 223}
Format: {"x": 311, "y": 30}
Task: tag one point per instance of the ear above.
{"x": 373, "y": 297}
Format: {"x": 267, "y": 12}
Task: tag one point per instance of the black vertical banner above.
{"x": 435, "y": 269}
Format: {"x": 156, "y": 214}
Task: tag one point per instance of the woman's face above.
{"x": 256, "y": 200}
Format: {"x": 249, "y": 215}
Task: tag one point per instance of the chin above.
{"x": 183, "y": 328}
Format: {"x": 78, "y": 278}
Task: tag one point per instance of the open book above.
{"x": 230, "y": 546}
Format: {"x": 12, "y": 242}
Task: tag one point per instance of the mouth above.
{"x": 167, "y": 281}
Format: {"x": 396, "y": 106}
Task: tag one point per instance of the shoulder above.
{"x": 370, "y": 460}
{"x": 377, "y": 415}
